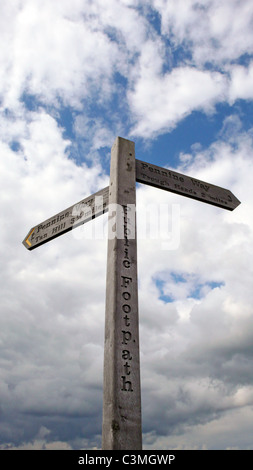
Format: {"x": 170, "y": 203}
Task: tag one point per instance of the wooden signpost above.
{"x": 185, "y": 185}
{"x": 122, "y": 427}
{"x": 67, "y": 220}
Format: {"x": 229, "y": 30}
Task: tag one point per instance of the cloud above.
{"x": 216, "y": 433}
{"x": 163, "y": 100}
{"x": 66, "y": 54}
{"x": 67, "y": 57}
{"x": 39, "y": 443}
{"x": 208, "y": 30}
{"x": 208, "y": 75}
{"x": 241, "y": 81}
{"x": 55, "y": 54}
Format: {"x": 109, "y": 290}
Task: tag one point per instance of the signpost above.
{"x": 122, "y": 395}
{"x": 185, "y": 185}
{"x": 122, "y": 427}
{"x": 67, "y": 220}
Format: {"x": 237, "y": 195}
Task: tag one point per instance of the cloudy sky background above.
{"x": 177, "y": 78}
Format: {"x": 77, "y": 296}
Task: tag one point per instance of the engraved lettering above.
{"x": 127, "y": 322}
{"x": 127, "y": 232}
{"x": 58, "y": 228}
{"x": 126, "y": 208}
{"x": 126, "y": 355}
{"x": 126, "y": 295}
{"x": 186, "y": 190}
{"x": 126, "y": 263}
{"x": 126, "y": 385}
{"x": 144, "y": 165}
{"x": 200, "y": 185}
{"x": 158, "y": 171}
{"x": 127, "y": 335}
{"x": 127, "y": 367}
{"x": 40, "y": 237}
{"x": 125, "y": 281}
{"x": 126, "y": 219}
{"x": 40, "y": 227}
{"x": 126, "y": 308}
{"x": 217, "y": 199}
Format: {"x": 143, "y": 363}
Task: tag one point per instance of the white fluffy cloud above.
{"x": 241, "y": 83}
{"x": 160, "y": 101}
{"x": 52, "y": 55}
{"x": 208, "y": 29}
{"x": 66, "y": 55}
{"x": 206, "y": 72}
{"x": 55, "y": 51}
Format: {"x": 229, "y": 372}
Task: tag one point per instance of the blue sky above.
{"x": 176, "y": 77}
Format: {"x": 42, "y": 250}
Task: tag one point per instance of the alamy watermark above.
{"x": 159, "y": 222}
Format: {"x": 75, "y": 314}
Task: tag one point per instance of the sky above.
{"x": 175, "y": 77}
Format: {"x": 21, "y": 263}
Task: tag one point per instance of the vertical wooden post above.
{"x": 122, "y": 396}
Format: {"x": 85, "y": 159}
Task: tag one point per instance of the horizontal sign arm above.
{"x": 98, "y": 203}
{"x": 169, "y": 180}
{"x": 67, "y": 220}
